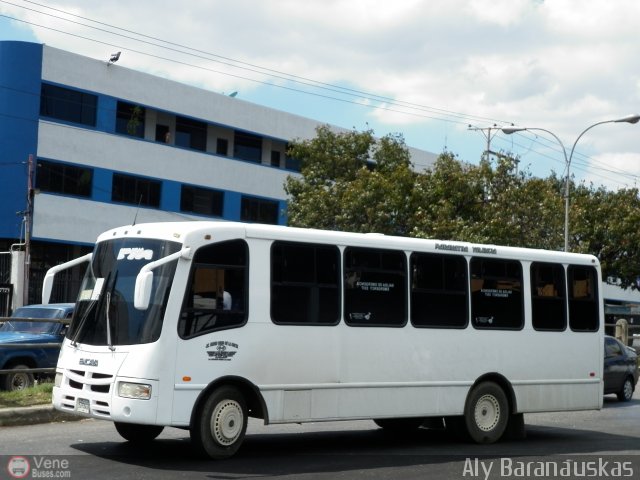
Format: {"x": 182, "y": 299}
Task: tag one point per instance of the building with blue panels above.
{"x": 106, "y": 145}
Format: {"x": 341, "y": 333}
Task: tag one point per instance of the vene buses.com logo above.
{"x": 18, "y": 467}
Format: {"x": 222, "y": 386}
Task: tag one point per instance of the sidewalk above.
{"x": 11, "y": 417}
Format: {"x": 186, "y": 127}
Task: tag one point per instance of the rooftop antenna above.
{"x": 135, "y": 217}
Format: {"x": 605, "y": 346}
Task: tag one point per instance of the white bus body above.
{"x": 319, "y": 326}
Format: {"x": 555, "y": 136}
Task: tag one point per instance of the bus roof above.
{"x": 192, "y": 233}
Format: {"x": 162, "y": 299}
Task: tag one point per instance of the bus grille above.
{"x": 93, "y": 387}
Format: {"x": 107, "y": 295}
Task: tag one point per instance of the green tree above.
{"x": 605, "y": 223}
{"x": 487, "y": 204}
{"x": 341, "y": 190}
{"x": 354, "y": 182}
{"x": 449, "y": 198}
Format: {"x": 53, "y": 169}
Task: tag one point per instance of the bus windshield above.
{"x": 105, "y": 314}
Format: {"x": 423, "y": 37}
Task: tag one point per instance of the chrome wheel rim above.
{"x": 487, "y": 413}
{"x": 227, "y": 422}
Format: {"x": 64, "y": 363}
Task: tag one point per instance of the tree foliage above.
{"x": 339, "y": 189}
{"x": 356, "y": 182}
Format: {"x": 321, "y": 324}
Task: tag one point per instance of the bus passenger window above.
{"x": 496, "y": 294}
{"x": 583, "y": 298}
{"x": 548, "y": 297}
{"x": 216, "y": 296}
{"x": 305, "y": 284}
{"x": 375, "y": 287}
{"x": 439, "y": 291}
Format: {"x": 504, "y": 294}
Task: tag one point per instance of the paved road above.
{"x": 345, "y": 450}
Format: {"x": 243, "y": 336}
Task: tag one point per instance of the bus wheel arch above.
{"x": 489, "y": 408}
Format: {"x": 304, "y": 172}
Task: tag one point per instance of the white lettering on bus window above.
{"x": 135, "y": 254}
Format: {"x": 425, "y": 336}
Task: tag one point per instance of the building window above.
{"x": 217, "y": 297}
{"x": 259, "y": 210}
{"x": 191, "y": 134}
{"x": 548, "y": 293}
{"x": 584, "y": 307}
{"x": 135, "y": 190}
{"x": 203, "y": 201}
{"x": 130, "y": 119}
{"x": 375, "y": 287}
{"x": 222, "y": 146}
{"x": 247, "y": 147}
{"x": 68, "y": 105}
{"x": 439, "y": 288}
{"x": 275, "y": 158}
{"x": 65, "y": 179}
{"x": 163, "y": 133}
{"x": 496, "y": 294}
{"x": 305, "y": 281}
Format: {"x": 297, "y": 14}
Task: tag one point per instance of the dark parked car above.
{"x": 30, "y": 332}
{"x": 620, "y": 369}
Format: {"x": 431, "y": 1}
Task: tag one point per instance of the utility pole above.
{"x": 486, "y": 131}
{"x": 27, "y": 230}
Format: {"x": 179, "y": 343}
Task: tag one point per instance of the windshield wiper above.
{"x": 111, "y": 347}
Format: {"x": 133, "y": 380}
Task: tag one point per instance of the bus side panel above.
{"x": 359, "y": 402}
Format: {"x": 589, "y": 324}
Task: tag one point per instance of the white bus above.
{"x": 200, "y": 325}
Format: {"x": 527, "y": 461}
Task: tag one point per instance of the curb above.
{"x": 12, "y": 417}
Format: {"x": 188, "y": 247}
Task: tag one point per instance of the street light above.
{"x": 513, "y": 129}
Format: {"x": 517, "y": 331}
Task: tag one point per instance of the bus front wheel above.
{"x": 486, "y": 413}
{"x": 221, "y": 425}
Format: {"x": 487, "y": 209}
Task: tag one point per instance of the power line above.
{"x": 354, "y": 93}
{"x": 359, "y": 94}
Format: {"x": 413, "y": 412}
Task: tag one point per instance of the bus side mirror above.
{"x": 144, "y": 280}
{"x": 47, "y": 286}
{"x": 142, "y": 292}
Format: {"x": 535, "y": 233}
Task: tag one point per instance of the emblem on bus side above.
{"x": 221, "y": 350}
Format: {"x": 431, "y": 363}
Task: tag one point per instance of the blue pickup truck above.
{"x": 14, "y": 332}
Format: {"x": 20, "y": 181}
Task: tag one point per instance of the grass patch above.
{"x": 38, "y": 395}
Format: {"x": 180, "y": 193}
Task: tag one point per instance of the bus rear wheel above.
{"x": 486, "y": 413}
{"x": 136, "y": 433}
{"x": 219, "y": 429}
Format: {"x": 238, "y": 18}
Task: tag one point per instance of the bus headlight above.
{"x": 58, "y": 380}
{"x": 139, "y": 391}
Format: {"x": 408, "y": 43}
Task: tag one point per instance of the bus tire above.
{"x": 399, "y": 424}
{"x": 219, "y": 429}
{"x": 626, "y": 391}
{"x": 486, "y": 413}
{"x": 17, "y": 381}
{"x": 137, "y": 433}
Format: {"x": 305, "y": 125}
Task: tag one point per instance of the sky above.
{"x": 438, "y": 72}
